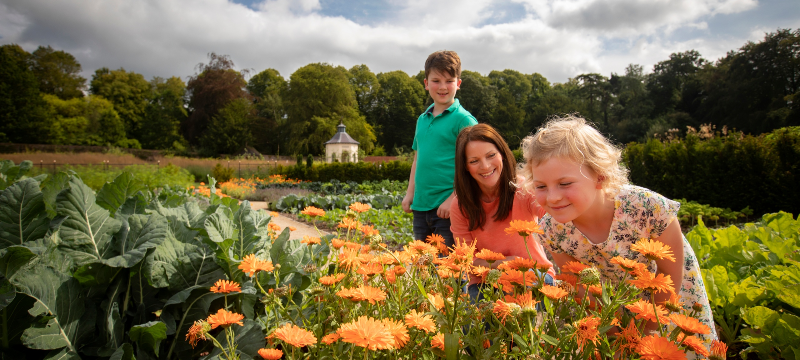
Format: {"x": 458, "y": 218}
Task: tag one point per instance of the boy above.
{"x": 430, "y": 191}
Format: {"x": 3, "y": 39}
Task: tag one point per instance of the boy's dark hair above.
{"x": 445, "y": 62}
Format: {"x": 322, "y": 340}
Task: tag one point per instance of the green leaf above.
{"x": 786, "y": 331}
{"x": 7, "y": 293}
{"x": 180, "y": 265}
{"x": 188, "y": 309}
{"x": 451, "y": 346}
{"x": 22, "y": 214}
{"x": 146, "y": 232}
{"x": 15, "y": 319}
{"x": 189, "y": 214}
{"x": 149, "y": 336}
{"x": 60, "y": 296}
{"x": 63, "y": 354}
{"x": 13, "y": 258}
{"x": 249, "y": 225}
{"x": 136, "y": 204}
{"x": 114, "y": 194}
{"x": 761, "y": 317}
{"x": 776, "y": 243}
{"x": 748, "y": 292}
{"x": 219, "y": 228}
{"x": 717, "y": 286}
{"x": 50, "y": 189}
{"x": 87, "y": 231}
{"x": 124, "y": 352}
{"x": 288, "y": 253}
{"x": 549, "y": 339}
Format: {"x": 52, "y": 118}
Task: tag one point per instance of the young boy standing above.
{"x": 430, "y": 190}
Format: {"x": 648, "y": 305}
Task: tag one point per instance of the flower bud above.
{"x": 697, "y": 306}
{"x": 493, "y": 276}
{"x": 376, "y": 242}
{"x": 589, "y": 276}
{"x": 350, "y": 214}
{"x": 310, "y": 268}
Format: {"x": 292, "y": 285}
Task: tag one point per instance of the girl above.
{"x": 487, "y": 200}
{"x": 593, "y": 214}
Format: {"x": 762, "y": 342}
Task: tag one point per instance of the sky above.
{"x": 559, "y": 39}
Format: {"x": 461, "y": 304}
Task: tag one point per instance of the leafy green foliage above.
{"x": 358, "y": 172}
{"x": 392, "y": 223}
{"x": 752, "y": 276}
{"x": 222, "y": 173}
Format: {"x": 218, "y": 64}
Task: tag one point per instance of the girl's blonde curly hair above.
{"x": 572, "y": 138}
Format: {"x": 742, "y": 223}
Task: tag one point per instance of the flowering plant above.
{"x": 350, "y": 295}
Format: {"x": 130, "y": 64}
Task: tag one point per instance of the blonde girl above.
{"x": 593, "y": 214}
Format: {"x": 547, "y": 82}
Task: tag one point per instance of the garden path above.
{"x": 283, "y": 221}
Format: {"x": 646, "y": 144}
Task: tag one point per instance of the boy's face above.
{"x": 442, "y": 87}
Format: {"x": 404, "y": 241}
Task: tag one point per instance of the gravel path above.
{"x": 283, "y": 221}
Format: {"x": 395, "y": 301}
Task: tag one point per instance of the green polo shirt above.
{"x": 435, "y": 143}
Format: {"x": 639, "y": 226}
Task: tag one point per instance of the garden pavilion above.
{"x": 341, "y": 147}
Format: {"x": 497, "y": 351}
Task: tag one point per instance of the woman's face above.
{"x": 484, "y": 164}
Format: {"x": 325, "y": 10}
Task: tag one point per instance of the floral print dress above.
{"x": 639, "y": 213}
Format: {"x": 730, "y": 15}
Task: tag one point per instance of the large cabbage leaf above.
{"x": 22, "y": 213}
{"x": 114, "y": 194}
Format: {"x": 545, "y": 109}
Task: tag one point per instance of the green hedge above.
{"x": 733, "y": 171}
{"x": 358, "y": 172}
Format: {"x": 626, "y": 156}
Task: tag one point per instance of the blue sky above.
{"x": 558, "y": 38}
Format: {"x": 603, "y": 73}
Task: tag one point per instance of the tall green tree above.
{"x": 88, "y": 120}
{"x": 58, "y": 73}
{"x": 477, "y": 95}
{"x": 632, "y": 111}
{"x": 365, "y": 85}
{"x": 513, "y": 90}
{"x": 319, "y": 97}
{"x": 270, "y": 132}
{"x": 562, "y": 98}
{"x": 211, "y": 88}
{"x": 229, "y": 131}
{"x": 398, "y": 104}
{"x": 539, "y": 87}
{"x": 128, "y": 91}
{"x": 595, "y": 91}
{"x": 23, "y": 113}
{"x": 165, "y": 113}
{"x": 672, "y": 83}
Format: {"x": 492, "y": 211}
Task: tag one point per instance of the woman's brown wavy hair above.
{"x": 467, "y": 190}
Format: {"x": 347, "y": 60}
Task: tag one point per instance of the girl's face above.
{"x": 484, "y": 164}
{"x": 565, "y": 189}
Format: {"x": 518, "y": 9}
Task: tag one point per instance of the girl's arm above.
{"x": 673, "y": 238}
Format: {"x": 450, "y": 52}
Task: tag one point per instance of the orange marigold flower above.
{"x": 510, "y": 277}
{"x": 480, "y": 271}
{"x": 368, "y": 333}
{"x": 632, "y": 267}
{"x": 292, "y": 228}
{"x": 420, "y": 321}
{"x": 313, "y": 211}
{"x": 567, "y": 278}
{"x": 553, "y": 292}
{"x": 655, "y": 347}
{"x": 330, "y": 338}
{"x": 364, "y": 292}
{"x": 655, "y": 283}
{"x": 225, "y": 286}
{"x": 489, "y": 255}
{"x": 436, "y": 300}
{"x": 689, "y": 325}
{"x": 421, "y": 248}
{"x": 503, "y": 309}
{"x": 331, "y": 280}
{"x": 349, "y": 259}
{"x": 348, "y": 223}
{"x": 719, "y": 351}
{"x": 398, "y": 331}
{"x": 270, "y": 354}
{"x": 693, "y": 343}
{"x": 521, "y": 264}
{"x": 337, "y": 243}
{"x": 359, "y": 207}
{"x": 274, "y": 227}
{"x": 596, "y": 290}
{"x": 197, "y": 332}
{"x": 273, "y": 213}
{"x": 574, "y": 267}
{"x": 586, "y": 330}
{"x": 295, "y": 335}
{"x": 250, "y": 265}
{"x": 369, "y": 230}
{"x": 629, "y": 337}
{"x": 653, "y": 249}
{"x": 437, "y": 241}
{"x": 523, "y": 228}
{"x": 525, "y": 301}
{"x": 438, "y": 341}
{"x": 224, "y": 318}
{"x": 644, "y": 310}
{"x": 674, "y": 303}
{"x": 310, "y": 240}
{"x": 370, "y": 269}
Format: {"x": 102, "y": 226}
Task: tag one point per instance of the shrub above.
{"x": 358, "y": 172}
{"x": 221, "y": 173}
{"x": 730, "y": 171}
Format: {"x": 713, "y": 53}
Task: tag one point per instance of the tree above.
{"x": 318, "y": 98}
{"x": 164, "y": 115}
{"x": 211, "y": 88}
{"x": 267, "y": 89}
{"x": 477, "y": 95}
{"x": 633, "y": 108}
{"x": 128, "y": 91}
{"x": 23, "y": 113}
{"x": 86, "y": 121}
{"x": 559, "y": 100}
{"x": 595, "y": 91}
{"x": 513, "y": 90}
{"x": 58, "y": 73}
{"x": 539, "y": 87}
{"x": 668, "y": 84}
{"x": 398, "y": 104}
{"x": 229, "y": 131}
{"x": 365, "y": 85}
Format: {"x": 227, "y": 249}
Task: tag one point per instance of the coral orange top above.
{"x": 493, "y": 235}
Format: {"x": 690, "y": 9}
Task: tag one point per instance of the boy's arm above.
{"x": 409, "y": 198}
{"x": 443, "y": 211}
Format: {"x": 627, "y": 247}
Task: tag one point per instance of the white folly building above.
{"x": 341, "y": 147}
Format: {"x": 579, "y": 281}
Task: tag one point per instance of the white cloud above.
{"x": 559, "y": 39}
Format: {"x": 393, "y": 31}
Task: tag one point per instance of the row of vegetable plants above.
{"x": 293, "y": 203}
{"x": 393, "y": 223}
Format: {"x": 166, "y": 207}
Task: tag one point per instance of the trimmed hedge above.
{"x": 358, "y": 172}
{"x": 733, "y": 171}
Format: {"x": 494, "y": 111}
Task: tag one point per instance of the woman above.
{"x": 487, "y": 200}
